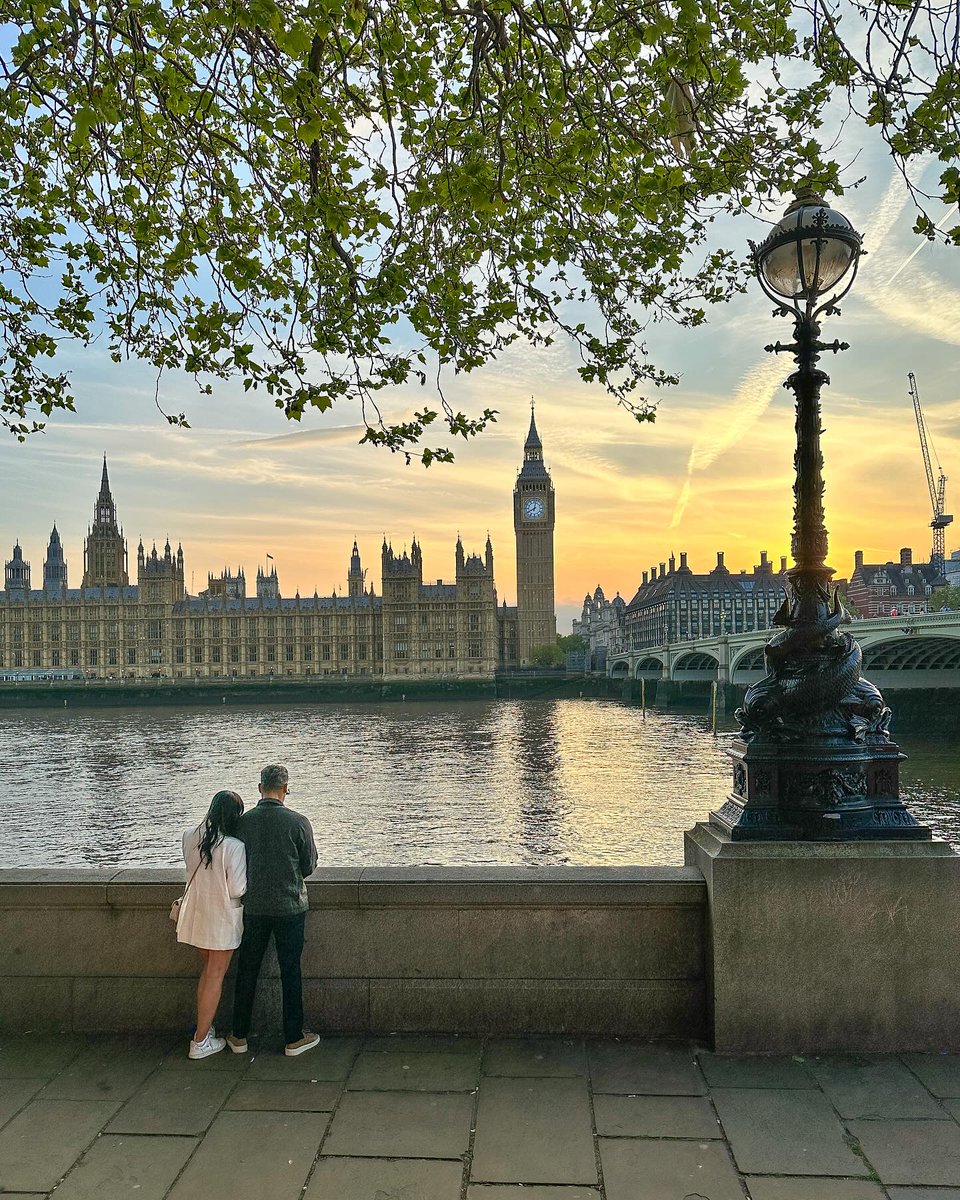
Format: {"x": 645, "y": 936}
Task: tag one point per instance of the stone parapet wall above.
{"x": 615, "y": 951}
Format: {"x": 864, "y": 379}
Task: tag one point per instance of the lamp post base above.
{"x": 813, "y": 790}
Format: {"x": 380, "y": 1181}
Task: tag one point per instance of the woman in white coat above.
{"x": 211, "y": 915}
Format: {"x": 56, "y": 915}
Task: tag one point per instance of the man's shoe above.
{"x": 307, "y": 1042}
{"x": 209, "y": 1045}
{"x": 237, "y": 1045}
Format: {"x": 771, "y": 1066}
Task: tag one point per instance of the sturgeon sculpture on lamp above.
{"x": 813, "y": 759}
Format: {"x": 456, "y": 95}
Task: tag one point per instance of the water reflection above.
{"x": 527, "y": 782}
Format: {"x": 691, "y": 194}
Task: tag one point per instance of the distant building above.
{"x": 893, "y": 588}
{"x": 153, "y": 628}
{"x": 673, "y": 604}
{"x": 601, "y": 626}
{"x": 951, "y": 569}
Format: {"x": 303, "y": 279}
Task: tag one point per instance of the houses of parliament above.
{"x": 111, "y": 627}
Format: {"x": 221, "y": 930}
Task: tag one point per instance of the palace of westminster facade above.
{"x": 111, "y": 627}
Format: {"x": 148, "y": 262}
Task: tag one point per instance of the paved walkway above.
{"x": 443, "y": 1118}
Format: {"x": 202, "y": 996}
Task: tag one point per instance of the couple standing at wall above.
{"x": 247, "y": 873}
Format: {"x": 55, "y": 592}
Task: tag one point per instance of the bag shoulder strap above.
{"x": 193, "y": 876}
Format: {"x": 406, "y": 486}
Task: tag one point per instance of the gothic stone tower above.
{"x": 534, "y": 517}
{"x": 55, "y": 568}
{"x": 105, "y": 550}
{"x": 356, "y": 575}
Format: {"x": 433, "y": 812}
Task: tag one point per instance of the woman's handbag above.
{"x": 175, "y": 906}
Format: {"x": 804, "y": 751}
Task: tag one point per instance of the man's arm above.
{"x": 307, "y": 849}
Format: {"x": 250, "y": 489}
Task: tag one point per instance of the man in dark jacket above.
{"x": 280, "y": 855}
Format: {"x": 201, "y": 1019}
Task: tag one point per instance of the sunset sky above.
{"x": 714, "y": 471}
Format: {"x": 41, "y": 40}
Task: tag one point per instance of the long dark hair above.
{"x": 220, "y": 822}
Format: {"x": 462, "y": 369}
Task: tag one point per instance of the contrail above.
{"x": 949, "y": 213}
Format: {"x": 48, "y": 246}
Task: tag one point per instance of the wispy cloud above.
{"x": 728, "y": 425}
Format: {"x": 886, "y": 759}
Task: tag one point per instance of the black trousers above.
{"x": 288, "y": 938}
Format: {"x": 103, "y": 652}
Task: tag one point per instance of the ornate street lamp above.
{"x": 813, "y": 759}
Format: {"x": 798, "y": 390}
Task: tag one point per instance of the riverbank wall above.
{"x": 314, "y": 690}
{"x": 785, "y": 947}
{"x": 606, "y": 951}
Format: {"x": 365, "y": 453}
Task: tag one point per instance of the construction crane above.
{"x": 940, "y": 519}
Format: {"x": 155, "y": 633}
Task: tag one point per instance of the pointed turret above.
{"x": 355, "y": 575}
{"x": 55, "y": 568}
{"x": 17, "y": 576}
{"x": 533, "y": 437}
{"x": 105, "y": 549}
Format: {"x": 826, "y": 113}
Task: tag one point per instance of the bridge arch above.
{"x": 650, "y": 667}
{"x": 901, "y": 656}
{"x": 749, "y": 666}
{"x": 695, "y": 665}
{"x": 620, "y": 669}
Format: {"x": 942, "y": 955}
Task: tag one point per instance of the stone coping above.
{"x": 377, "y": 887}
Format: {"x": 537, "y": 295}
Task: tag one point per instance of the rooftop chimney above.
{"x": 663, "y": 569}
{"x": 683, "y": 560}
{"x": 783, "y": 564}
{"x": 763, "y": 559}
{"x": 673, "y": 564}
{"x": 906, "y": 557}
{"x": 644, "y": 577}
{"x": 857, "y": 559}
{"x": 719, "y": 558}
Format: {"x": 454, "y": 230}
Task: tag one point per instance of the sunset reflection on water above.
{"x": 509, "y": 782}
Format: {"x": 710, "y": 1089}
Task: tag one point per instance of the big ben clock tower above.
{"x": 533, "y": 520}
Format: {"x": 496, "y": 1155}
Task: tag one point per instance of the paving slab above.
{"x": 786, "y": 1132}
{"x": 875, "y": 1087}
{"x": 813, "y": 1189}
{"x": 14, "y": 1094}
{"x": 118, "y": 1168}
{"x": 331, "y": 1061}
{"x": 251, "y": 1155}
{"x": 174, "y": 1102}
{"x": 911, "y": 1152}
{"x": 517, "y": 1191}
{"x": 909, "y": 1193}
{"x": 423, "y": 1043}
{"x": 110, "y": 1068}
{"x": 656, "y": 1116}
{"x": 37, "y": 1055}
{"x": 548, "y": 1057}
{"x": 179, "y": 1059}
{"x": 755, "y": 1071}
{"x": 284, "y": 1095}
{"x": 40, "y": 1145}
{"x": 435, "y": 1071}
{"x": 401, "y": 1125}
{"x": 644, "y": 1068}
{"x": 386, "y": 1178}
{"x": 940, "y": 1073}
{"x": 534, "y": 1131}
{"x": 634, "y": 1169}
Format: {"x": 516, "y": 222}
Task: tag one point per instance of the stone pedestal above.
{"x": 827, "y": 946}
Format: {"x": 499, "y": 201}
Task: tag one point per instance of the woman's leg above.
{"x": 209, "y": 989}
{"x": 203, "y": 967}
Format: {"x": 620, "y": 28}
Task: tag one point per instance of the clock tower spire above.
{"x": 533, "y": 521}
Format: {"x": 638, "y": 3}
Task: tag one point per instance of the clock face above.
{"x": 533, "y": 509}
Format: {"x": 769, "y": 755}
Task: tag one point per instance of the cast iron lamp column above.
{"x": 813, "y": 759}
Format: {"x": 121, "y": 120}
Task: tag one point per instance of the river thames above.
{"x": 530, "y": 782}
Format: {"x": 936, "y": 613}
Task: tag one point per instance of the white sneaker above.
{"x": 210, "y": 1045}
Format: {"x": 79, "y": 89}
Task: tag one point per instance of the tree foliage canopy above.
{"x": 945, "y": 597}
{"x": 328, "y": 198}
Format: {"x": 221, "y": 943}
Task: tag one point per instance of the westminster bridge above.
{"x": 919, "y": 650}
